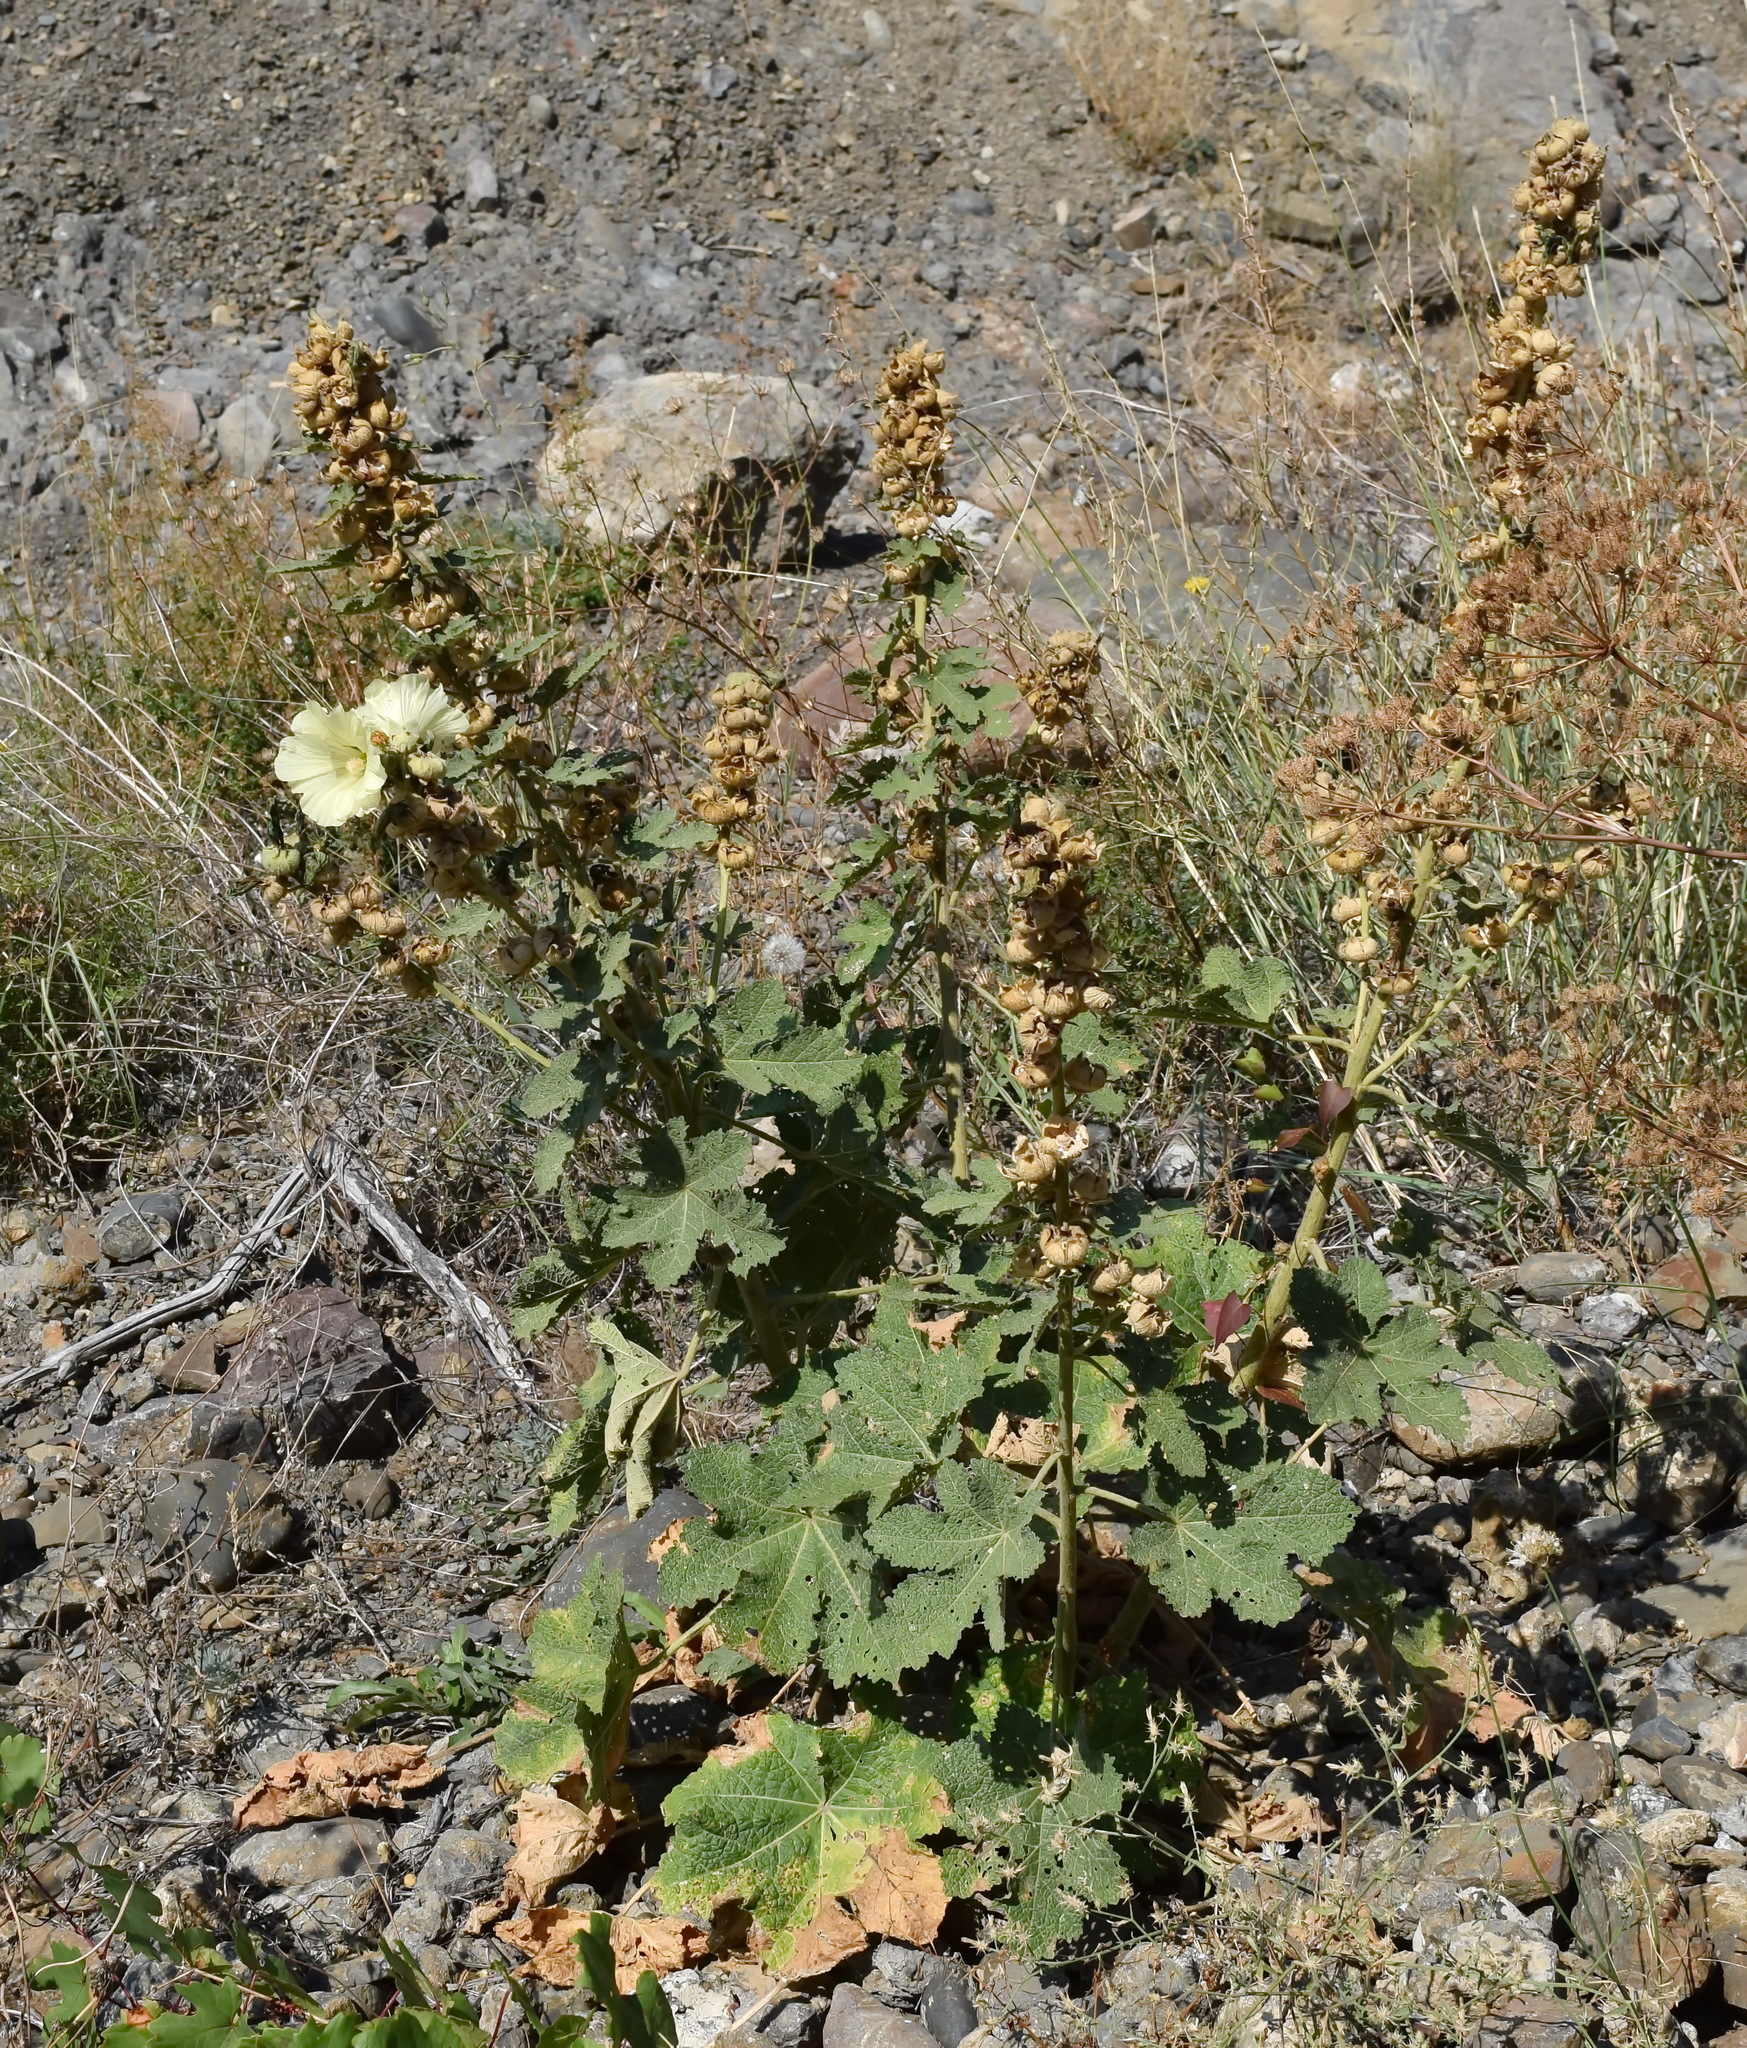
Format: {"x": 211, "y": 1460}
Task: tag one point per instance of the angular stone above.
{"x": 1628, "y": 1918}
{"x": 1612, "y": 1318}
{"x": 316, "y": 1377}
{"x": 222, "y": 1518}
{"x": 948, "y": 2010}
{"x": 855, "y": 2020}
{"x": 1715, "y": 1603}
{"x": 1503, "y": 1951}
{"x": 463, "y": 1864}
{"x": 1561, "y": 1276}
{"x": 247, "y": 436}
{"x": 404, "y": 321}
{"x": 1588, "y": 1767}
{"x": 1659, "y": 1740}
{"x": 423, "y": 225}
{"x": 754, "y": 461}
{"x": 310, "y": 1852}
{"x": 139, "y": 1225}
{"x": 1138, "y": 228}
{"x": 1532, "y": 2020}
{"x": 1521, "y": 1856}
{"x": 1505, "y": 1420}
{"x": 175, "y": 414}
{"x": 1704, "y": 1784}
{"x": 671, "y": 1724}
{"x": 68, "y": 1519}
{"x": 623, "y": 1547}
{"x": 1679, "y": 1478}
{"x": 1325, "y": 221}
{"x": 1724, "y": 1660}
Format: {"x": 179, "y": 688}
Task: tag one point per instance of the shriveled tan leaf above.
{"x": 660, "y": 1943}
{"x": 1494, "y": 1716}
{"x": 553, "y": 1839}
{"x": 321, "y": 1784}
{"x": 1024, "y": 1444}
{"x": 828, "y": 1939}
{"x": 942, "y": 1330}
{"x": 1277, "y": 1817}
{"x": 751, "y": 1732}
{"x": 546, "y": 1935}
{"x": 902, "y": 1893}
{"x": 660, "y": 1545}
{"x": 1546, "y": 1738}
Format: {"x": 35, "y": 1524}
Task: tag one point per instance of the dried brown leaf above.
{"x": 902, "y": 1893}
{"x": 829, "y": 1938}
{"x": 660, "y": 1943}
{"x": 320, "y": 1784}
{"x": 546, "y": 1935}
{"x": 554, "y": 1837}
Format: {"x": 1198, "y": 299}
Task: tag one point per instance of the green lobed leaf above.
{"x": 1255, "y": 989}
{"x": 645, "y": 1414}
{"x": 900, "y": 1399}
{"x": 793, "y": 1566}
{"x": 585, "y": 1667}
{"x": 1363, "y": 1351}
{"x": 24, "y": 1770}
{"x": 786, "y": 1829}
{"x": 1039, "y": 1815}
{"x": 960, "y": 1559}
{"x": 690, "y": 1194}
{"x": 1216, "y": 1543}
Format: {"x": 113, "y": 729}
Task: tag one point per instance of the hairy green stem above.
{"x": 1065, "y": 1650}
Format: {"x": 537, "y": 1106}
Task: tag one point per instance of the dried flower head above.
{"x": 912, "y": 439}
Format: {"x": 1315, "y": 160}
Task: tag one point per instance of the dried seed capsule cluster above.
{"x": 341, "y": 394}
{"x": 1048, "y": 861}
{"x": 912, "y": 440}
{"x": 1528, "y": 365}
{"x": 739, "y": 748}
{"x": 1057, "y": 692}
{"x": 339, "y": 391}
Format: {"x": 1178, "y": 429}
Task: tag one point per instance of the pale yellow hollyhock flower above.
{"x": 407, "y": 715}
{"x": 329, "y": 764}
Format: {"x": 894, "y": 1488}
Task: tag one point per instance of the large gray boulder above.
{"x": 753, "y": 462}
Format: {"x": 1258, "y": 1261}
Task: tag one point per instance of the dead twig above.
{"x": 350, "y": 1174}
{"x": 60, "y": 1364}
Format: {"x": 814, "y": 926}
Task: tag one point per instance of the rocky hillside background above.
{"x": 303, "y": 1511}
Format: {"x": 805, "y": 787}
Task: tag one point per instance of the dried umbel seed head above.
{"x": 1144, "y": 1319}
{"x": 738, "y": 748}
{"x": 340, "y": 395}
{"x": 912, "y": 441}
{"x": 516, "y": 956}
{"x": 1063, "y": 1245}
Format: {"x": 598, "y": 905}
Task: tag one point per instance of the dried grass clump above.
{"x": 1149, "y": 70}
